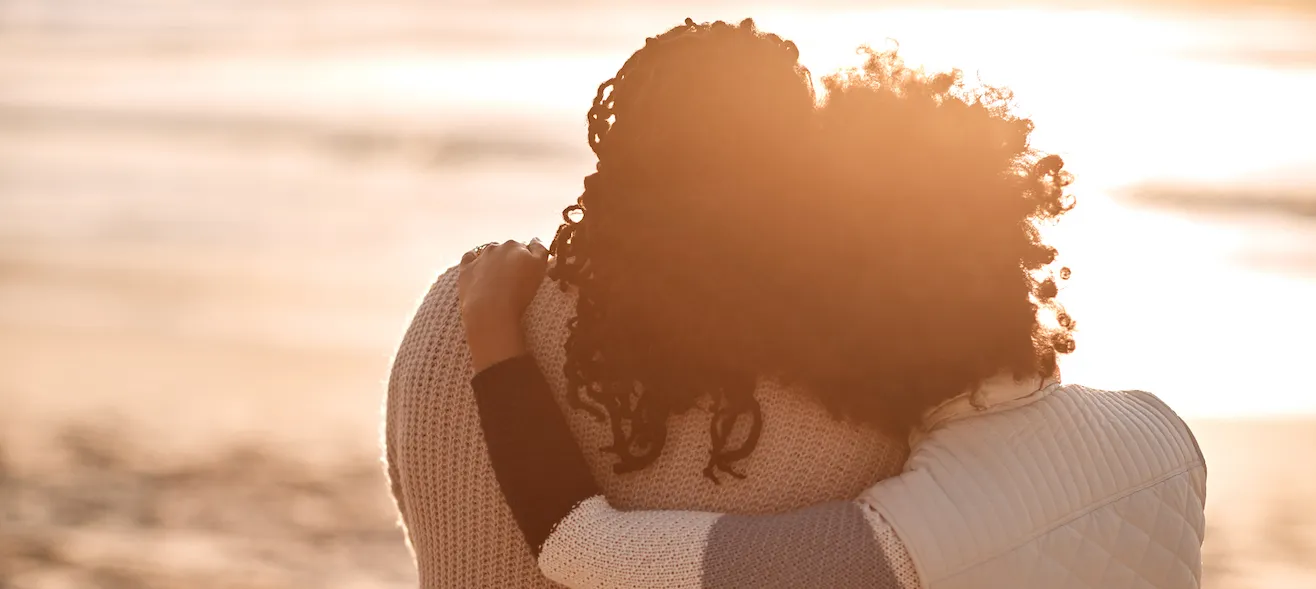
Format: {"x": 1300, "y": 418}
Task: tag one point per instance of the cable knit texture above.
{"x": 461, "y": 531}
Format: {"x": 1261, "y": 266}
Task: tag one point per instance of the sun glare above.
{"x": 1127, "y": 99}
{"x": 1098, "y": 85}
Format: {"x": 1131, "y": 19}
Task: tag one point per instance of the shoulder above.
{"x": 1148, "y": 423}
{"x": 439, "y": 313}
{"x": 432, "y": 347}
{"x": 1171, "y": 421}
{"x": 1128, "y": 402}
{"x": 435, "y": 339}
{"x": 552, "y": 299}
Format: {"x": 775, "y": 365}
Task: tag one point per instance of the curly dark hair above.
{"x": 880, "y": 249}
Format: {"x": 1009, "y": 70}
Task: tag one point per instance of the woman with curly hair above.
{"x": 805, "y": 281}
{"x": 704, "y": 126}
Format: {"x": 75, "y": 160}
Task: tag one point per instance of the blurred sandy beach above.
{"x": 215, "y": 219}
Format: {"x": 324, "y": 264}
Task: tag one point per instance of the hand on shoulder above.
{"x": 495, "y": 284}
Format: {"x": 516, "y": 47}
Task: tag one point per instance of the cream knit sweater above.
{"x": 461, "y": 531}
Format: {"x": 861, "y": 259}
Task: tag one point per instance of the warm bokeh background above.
{"x": 216, "y": 216}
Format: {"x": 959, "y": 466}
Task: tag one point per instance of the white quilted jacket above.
{"x": 1057, "y": 487}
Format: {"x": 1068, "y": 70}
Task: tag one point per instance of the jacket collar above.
{"x": 995, "y": 394}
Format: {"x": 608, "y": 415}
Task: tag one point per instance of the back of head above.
{"x": 693, "y": 128}
{"x": 878, "y": 249}
{"x": 921, "y": 246}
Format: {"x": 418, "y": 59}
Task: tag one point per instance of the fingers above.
{"x": 470, "y": 256}
{"x": 537, "y": 249}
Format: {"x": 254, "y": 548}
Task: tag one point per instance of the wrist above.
{"x": 491, "y": 344}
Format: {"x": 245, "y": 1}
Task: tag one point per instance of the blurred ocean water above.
{"x": 216, "y": 217}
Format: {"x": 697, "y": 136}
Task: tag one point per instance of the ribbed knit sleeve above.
{"x": 840, "y": 544}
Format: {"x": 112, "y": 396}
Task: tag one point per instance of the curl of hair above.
{"x": 880, "y": 249}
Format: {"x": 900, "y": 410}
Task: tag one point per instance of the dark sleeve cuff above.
{"x": 536, "y": 460}
{"x": 510, "y": 377}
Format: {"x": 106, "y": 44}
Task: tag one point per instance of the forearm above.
{"x": 840, "y": 544}
{"x": 582, "y": 542}
{"x": 535, "y": 459}
{"x": 491, "y": 341}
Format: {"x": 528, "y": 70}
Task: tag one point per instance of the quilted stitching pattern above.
{"x": 1081, "y": 489}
